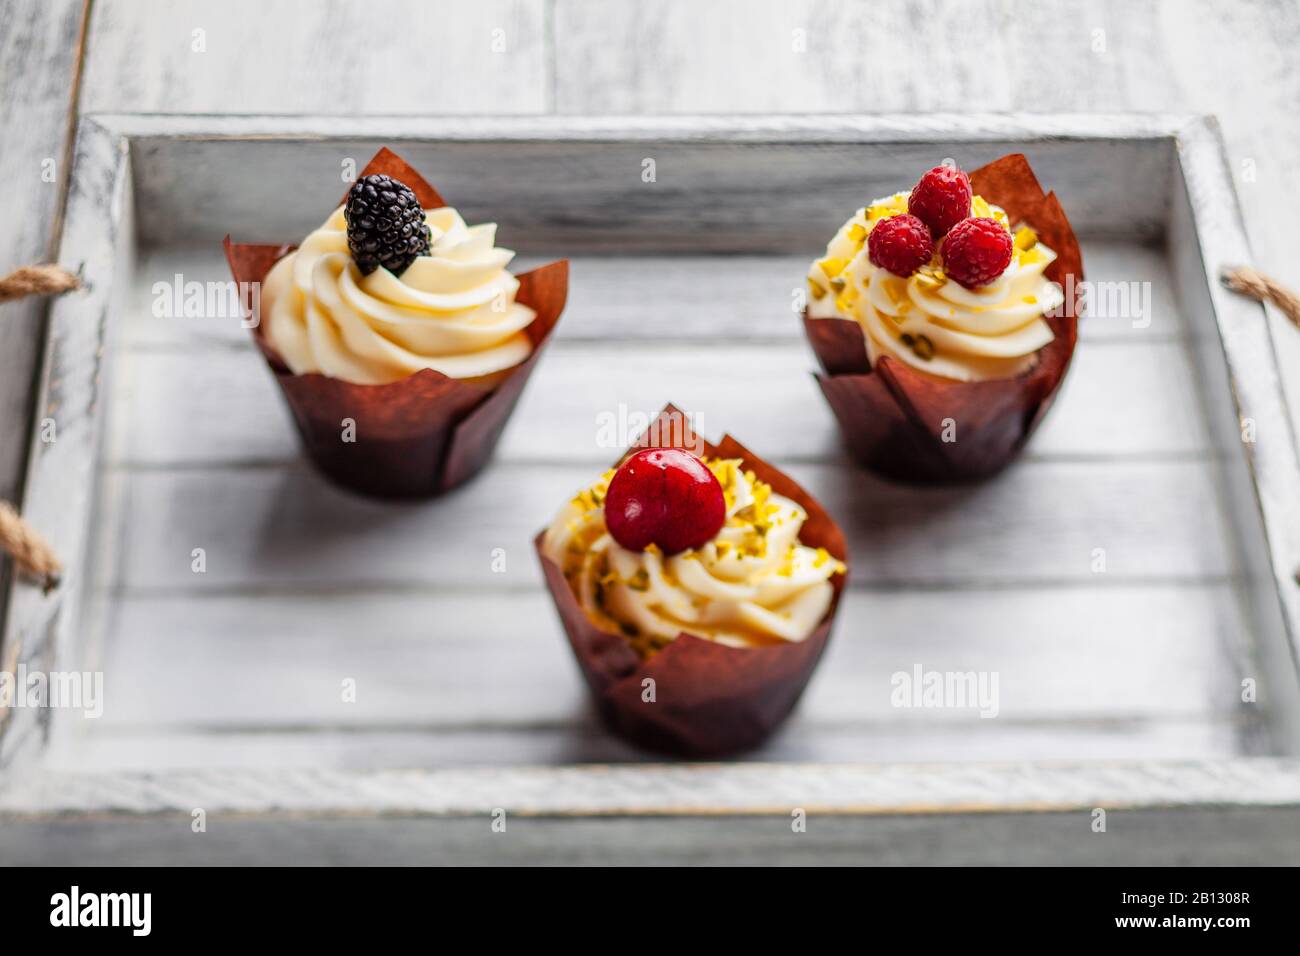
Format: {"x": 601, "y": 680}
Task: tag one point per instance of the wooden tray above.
{"x": 1118, "y": 689}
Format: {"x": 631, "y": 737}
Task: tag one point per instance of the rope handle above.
{"x": 1264, "y": 288}
{"x": 29, "y": 549}
{"x": 37, "y": 280}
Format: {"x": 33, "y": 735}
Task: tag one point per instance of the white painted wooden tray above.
{"x": 1120, "y": 688}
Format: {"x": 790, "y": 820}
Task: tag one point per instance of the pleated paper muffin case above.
{"x": 709, "y": 699}
{"x": 914, "y": 427}
{"x": 421, "y": 435}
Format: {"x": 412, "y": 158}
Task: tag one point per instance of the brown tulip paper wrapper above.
{"x": 892, "y": 416}
{"x": 710, "y": 699}
{"x": 421, "y": 435}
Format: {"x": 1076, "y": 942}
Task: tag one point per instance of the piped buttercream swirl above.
{"x": 452, "y": 310}
{"x": 754, "y": 584}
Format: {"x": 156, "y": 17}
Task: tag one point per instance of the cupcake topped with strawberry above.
{"x": 669, "y": 543}
{"x": 941, "y": 280}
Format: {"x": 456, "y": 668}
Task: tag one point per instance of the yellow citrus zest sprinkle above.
{"x": 981, "y": 209}
{"x": 833, "y": 266}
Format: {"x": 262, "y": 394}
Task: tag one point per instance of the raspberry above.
{"x": 941, "y": 199}
{"x": 976, "y": 252}
{"x": 667, "y": 497}
{"x": 900, "y": 244}
{"x": 385, "y": 224}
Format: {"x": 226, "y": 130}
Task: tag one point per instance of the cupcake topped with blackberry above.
{"x": 940, "y": 279}
{"x": 386, "y": 288}
{"x": 397, "y": 334}
{"x": 669, "y": 543}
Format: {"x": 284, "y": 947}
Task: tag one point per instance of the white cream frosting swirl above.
{"x": 929, "y": 321}
{"x": 753, "y": 584}
{"x": 452, "y": 310}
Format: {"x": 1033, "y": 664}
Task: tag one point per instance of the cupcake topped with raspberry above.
{"x": 669, "y": 543}
{"x": 941, "y": 280}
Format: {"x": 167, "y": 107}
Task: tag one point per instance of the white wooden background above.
{"x": 676, "y": 56}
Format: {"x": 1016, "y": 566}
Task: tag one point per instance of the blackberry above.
{"x": 385, "y": 225}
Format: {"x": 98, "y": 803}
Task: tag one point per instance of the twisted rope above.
{"x": 1257, "y": 285}
{"x": 31, "y": 552}
{"x": 37, "y": 280}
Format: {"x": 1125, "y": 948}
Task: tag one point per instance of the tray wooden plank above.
{"x": 583, "y": 741}
{"x": 719, "y": 790}
{"x": 1214, "y": 836}
{"x": 1122, "y": 400}
{"x": 746, "y": 190}
{"x": 179, "y": 660}
{"x": 277, "y": 527}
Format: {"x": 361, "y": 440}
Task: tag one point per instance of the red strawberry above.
{"x": 664, "y": 496}
{"x": 900, "y": 244}
{"x": 976, "y": 252}
{"x": 941, "y": 199}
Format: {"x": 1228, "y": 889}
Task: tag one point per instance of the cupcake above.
{"x": 944, "y": 320}
{"x": 398, "y": 335}
{"x": 697, "y": 585}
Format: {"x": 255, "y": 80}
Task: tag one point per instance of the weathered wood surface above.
{"x": 579, "y": 739}
{"x": 275, "y": 527}
{"x": 197, "y": 682}
{"x": 1082, "y": 667}
{"x": 284, "y": 56}
{"x": 1192, "y": 837}
{"x": 229, "y": 412}
{"x": 726, "y": 790}
{"x": 39, "y": 56}
{"x": 576, "y": 57}
{"x": 559, "y": 178}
